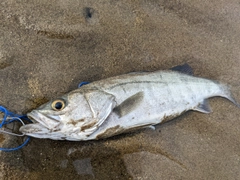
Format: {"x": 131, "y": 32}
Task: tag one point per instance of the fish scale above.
{"x": 124, "y": 103}
{"x": 172, "y": 106}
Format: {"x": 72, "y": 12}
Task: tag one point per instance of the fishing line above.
{"x": 10, "y": 117}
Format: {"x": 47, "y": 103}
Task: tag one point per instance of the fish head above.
{"x": 62, "y": 118}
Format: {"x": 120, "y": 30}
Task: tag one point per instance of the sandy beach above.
{"x": 48, "y": 47}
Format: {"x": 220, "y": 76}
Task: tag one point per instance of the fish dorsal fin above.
{"x": 129, "y": 104}
{"x": 203, "y": 107}
{"x": 185, "y": 68}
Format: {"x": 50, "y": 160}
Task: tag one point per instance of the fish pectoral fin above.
{"x": 129, "y": 104}
{"x": 185, "y": 68}
{"x": 203, "y": 107}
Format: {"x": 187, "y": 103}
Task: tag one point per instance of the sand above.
{"x": 48, "y": 47}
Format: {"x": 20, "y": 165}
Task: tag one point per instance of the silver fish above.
{"x": 123, "y": 103}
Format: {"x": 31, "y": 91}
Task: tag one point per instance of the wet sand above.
{"x": 48, "y": 47}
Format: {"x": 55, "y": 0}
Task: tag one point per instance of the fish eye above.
{"x": 58, "y": 105}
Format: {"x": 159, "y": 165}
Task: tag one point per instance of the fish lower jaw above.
{"x": 39, "y": 131}
{"x": 34, "y": 128}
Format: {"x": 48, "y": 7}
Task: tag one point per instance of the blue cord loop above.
{"x": 8, "y": 118}
{"x": 16, "y": 148}
{"x": 83, "y": 83}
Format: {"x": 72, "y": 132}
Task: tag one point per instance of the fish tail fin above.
{"x": 226, "y": 93}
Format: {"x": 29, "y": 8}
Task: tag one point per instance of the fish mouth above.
{"x": 42, "y": 124}
{"x": 34, "y": 117}
{"x": 48, "y": 121}
{"x": 37, "y": 130}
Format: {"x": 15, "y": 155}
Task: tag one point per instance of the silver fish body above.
{"x": 123, "y": 103}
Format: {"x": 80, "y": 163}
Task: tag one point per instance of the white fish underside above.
{"x": 124, "y": 103}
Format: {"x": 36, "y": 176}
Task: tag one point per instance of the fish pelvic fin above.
{"x": 152, "y": 127}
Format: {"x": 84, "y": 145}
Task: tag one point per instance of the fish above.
{"x": 124, "y": 103}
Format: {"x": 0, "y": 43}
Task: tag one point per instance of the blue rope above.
{"x": 16, "y": 148}
{"x": 13, "y": 117}
{"x": 82, "y": 83}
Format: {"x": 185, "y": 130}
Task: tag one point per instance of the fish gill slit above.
{"x": 93, "y": 114}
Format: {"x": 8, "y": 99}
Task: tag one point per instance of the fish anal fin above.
{"x": 185, "y": 68}
{"x": 129, "y": 104}
{"x": 203, "y": 107}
